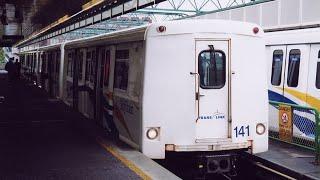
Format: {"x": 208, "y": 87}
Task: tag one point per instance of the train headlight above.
{"x": 152, "y": 133}
{"x": 260, "y": 129}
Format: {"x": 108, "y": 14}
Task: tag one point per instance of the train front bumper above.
{"x": 209, "y": 145}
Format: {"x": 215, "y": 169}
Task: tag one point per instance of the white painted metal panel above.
{"x": 76, "y": 25}
{"x": 211, "y": 16}
{"x": 253, "y": 14}
{"x": 237, "y": 14}
{"x": 144, "y": 2}
{"x": 89, "y": 20}
{"x": 269, "y": 14}
{"x": 82, "y": 23}
{"x": 130, "y": 5}
{"x": 223, "y": 15}
{"x": 290, "y": 12}
{"x": 97, "y": 18}
{"x": 117, "y": 10}
{"x": 106, "y": 14}
{"x": 310, "y": 10}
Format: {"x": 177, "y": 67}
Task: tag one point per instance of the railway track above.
{"x": 249, "y": 168}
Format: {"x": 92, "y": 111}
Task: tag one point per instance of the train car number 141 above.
{"x": 241, "y": 131}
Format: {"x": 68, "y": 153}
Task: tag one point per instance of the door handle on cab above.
{"x": 198, "y": 95}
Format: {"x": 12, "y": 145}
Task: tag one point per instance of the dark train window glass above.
{"x": 212, "y": 69}
{"x": 122, "y": 54}
{"x": 88, "y": 63}
{"x": 92, "y": 67}
{"x": 277, "y": 62}
{"x": 318, "y": 72}
{"x": 70, "y": 65}
{"x": 121, "y": 72}
{"x": 80, "y": 65}
{"x": 318, "y": 76}
{"x": 58, "y": 62}
{"x": 106, "y": 69}
{"x": 293, "y": 68}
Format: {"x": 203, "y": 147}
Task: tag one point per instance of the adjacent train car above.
{"x": 294, "y": 77}
{"x": 181, "y": 86}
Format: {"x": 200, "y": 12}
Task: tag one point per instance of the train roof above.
{"x": 172, "y": 27}
{"x": 140, "y": 33}
{"x": 301, "y": 36}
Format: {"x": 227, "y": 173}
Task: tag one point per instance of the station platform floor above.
{"x": 41, "y": 138}
{"x": 291, "y": 160}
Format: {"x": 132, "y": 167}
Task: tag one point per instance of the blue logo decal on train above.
{"x": 216, "y": 116}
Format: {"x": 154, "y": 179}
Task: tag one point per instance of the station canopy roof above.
{"x": 33, "y": 21}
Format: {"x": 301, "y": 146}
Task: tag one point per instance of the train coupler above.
{"x": 217, "y": 164}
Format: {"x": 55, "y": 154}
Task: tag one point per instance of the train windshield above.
{"x": 212, "y": 69}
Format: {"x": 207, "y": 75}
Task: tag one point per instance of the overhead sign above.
{"x": 285, "y": 123}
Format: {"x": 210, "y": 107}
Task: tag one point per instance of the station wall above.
{"x": 273, "y": 14}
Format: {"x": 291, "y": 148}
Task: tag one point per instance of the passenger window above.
{"x": 58, "y": 62}
{"x": 293, "y": 68}
{"x": 212, "y": 69}
{"x": 80, "y": 65}
{"x": 121, "y": 71}
{"x": 93, "y": 67}
{"x": 318, "y": 72}
{"x": 70, "y": 65}
{"x": 88, "y": 65}
{"x": 106, "y": 69}
{"x": 276, "y": 67}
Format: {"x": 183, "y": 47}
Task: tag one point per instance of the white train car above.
{"x": 294, "y": 77}
{"x": 181, "y": 86}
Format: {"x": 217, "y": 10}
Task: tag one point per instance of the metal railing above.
{"x": 298, "y": 125}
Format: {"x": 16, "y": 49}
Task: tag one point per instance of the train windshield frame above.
{"x": 212, "y": 69}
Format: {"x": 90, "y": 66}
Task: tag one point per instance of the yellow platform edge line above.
{"x": 124, "y": 160}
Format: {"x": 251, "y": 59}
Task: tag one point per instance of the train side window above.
{"x": 80, "y": 65}
{"x": 121, "y": 72}
{"x": 277, "y": 62}
{"x": 318, "y": 72}
{"x": 70, "y": 65}
{"x": 106, "y": 69}
{"x": 212, "y": 70}
{"x": 293, "y": 67}
{"x": 58, "y": 62}
{"x": 88, "y": 66}
{"x": 93, "y": 67}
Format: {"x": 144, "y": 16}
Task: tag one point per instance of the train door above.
{"x": 50, "y": 73}
{"x": 57, "y": 70}
{"x": 212, "y": 89}
{"x": 99, "y": 85}
{"x": 69, "y": 77}
{"x": 102, "y": 99}
{"x": 313, "y": 93}
{"x": 90, "y": 82}
{"x": 81, "y": 80}
{"x": 295, "y": 76}
{"x": 75, "y": 79}
{"x": 38, "y": 69}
